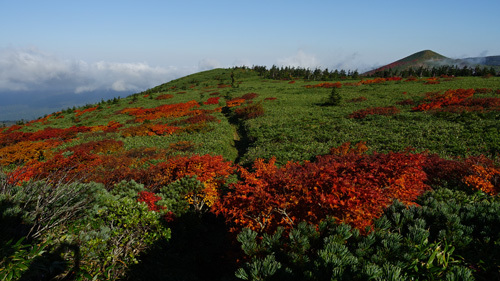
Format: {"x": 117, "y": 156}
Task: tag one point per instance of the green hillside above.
{"x": 225, "y": 174}
{"x": 420, "y": 59}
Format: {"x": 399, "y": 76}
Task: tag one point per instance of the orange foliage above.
{"x": 81, "y": 112}
{"x": 486, "y": 179}
{"x": 235, "y": 102}
{"x": 432, "y": 81}
{"x": 112, "y": 126}
{"x": 354, "y": 188}
{"x": 149, "y": 130}
{"x": 345, "y": 149}
{"x": 212, "y": 100}
{"x": 362, "y": 113}
{"x": 26, "y": 151}
{"x": 325, "y": 85}
{"x": 164, "y": 97}
{"x": 162, "y": 111}
{"x": 379, "y": 80}
{"x": 450, "y": 97}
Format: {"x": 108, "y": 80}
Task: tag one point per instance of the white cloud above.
{"x": 300, "y": 59}
{"x": 207, "y": 64}
{"x": 241, "y": 62}
{"x": 30, "y": 69}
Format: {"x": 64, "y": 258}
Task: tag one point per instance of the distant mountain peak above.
{"x": 416, "y": 59}
{"x": 429, "y": 59}
{"x": 425, "y": 55}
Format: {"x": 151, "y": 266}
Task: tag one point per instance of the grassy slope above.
{"x": 296, "y": 126}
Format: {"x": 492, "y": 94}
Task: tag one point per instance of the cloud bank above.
{"x": 300, "y": 59}
{"x": 33, "y": 70}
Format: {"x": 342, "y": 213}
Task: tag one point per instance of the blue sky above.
{"x": 66, "y": 48}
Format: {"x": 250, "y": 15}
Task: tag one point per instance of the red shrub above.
{"x": 359, "y": 99}
{"x": 450, "y": 97}
{"x": 249, "y": 96}
{"x": 406, "y": 102}
{"x": 212, "y": 100}
{"x": 477, "y": 172}
{"x": 149, "y": 130}
{"x": 353, "y": 188}
{"x": 250, "y": 111}
{"x": 103, "y": 146}
{"x": 201, "y": 118}
{"x": 362, "y": 113}
{"x": 379, "y": 80}
{"x": 431, "y": 81}
{"x": 150, "y": 199}
{"x": 81, "y": 112}
{"x": 56, "y": 133}
{"x": 325, "y": 85}
{"x": 483, "y": 90}
{"x": 235, "y": 102}
{"x": 164, "y": 97}
{"x": 162, "y": 111}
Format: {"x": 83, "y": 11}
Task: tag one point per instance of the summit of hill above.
{"x": 430, "y": 59}
{"x": 423, "y": 58}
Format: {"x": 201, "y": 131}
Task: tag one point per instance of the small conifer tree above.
{"x": 334, "y": 98}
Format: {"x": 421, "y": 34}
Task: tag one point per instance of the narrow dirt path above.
{"x": 240, "y": 136}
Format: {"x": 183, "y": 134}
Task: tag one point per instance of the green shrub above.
{"x": 334, "y": 97}
{"x": 116, "y": 230}
{"x": 174, "y": 195}
{"x": 100, "y": 232}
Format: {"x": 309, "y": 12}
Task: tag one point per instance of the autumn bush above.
{"x": 353, "y": 188}
{"x": 471, "y": 104}
{"x": 212, "y": 100}
{"x": 25, "y": 151}
{"x": 250, "y": 111}
{"x": 406, "y": 102}
{"x": 358, "y": 99}
{"x": 325, "y": 85}
{"x": 362, "y": 113}
{"x": 235, "y": 102}
{"x": 164, "y": 97}
{"x": 148, "y": 129}
{"x": 435, "y": 100}
{"x": 162, "y": 111}
{"x": 200, "y": 118}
